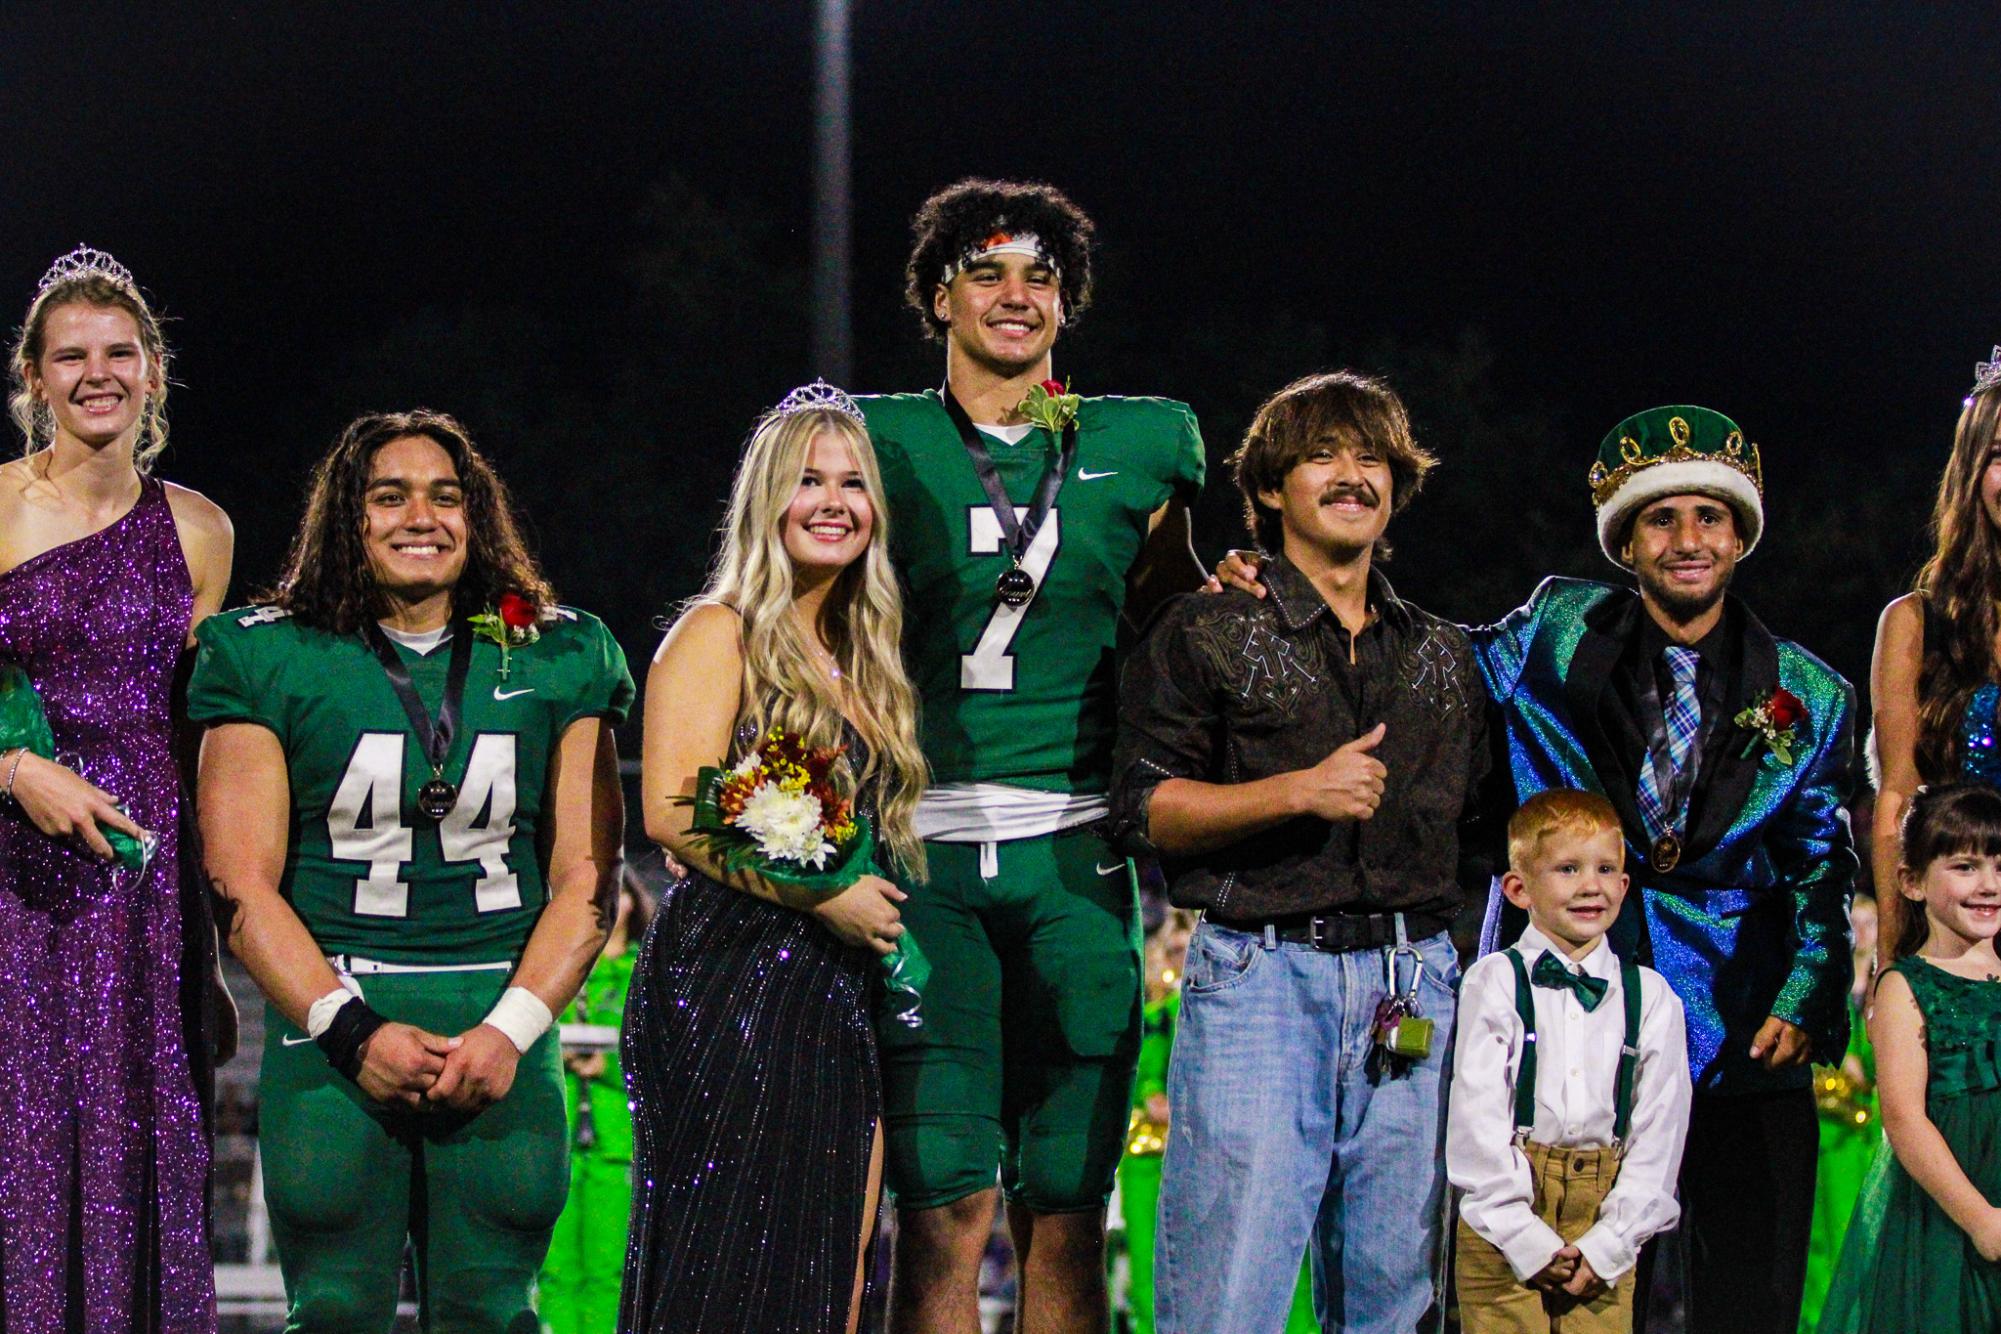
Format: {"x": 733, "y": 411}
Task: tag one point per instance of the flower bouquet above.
{"x": 779, "y": 814}
{"x": 24, "y": 722}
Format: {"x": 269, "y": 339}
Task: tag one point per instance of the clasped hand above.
{"x": 1567, "y": 1280}
{"x": 864, "y": 914}
{"x": 405, "y": 1066}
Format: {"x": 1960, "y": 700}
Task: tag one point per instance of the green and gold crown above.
{"x": 1676, "y": 451}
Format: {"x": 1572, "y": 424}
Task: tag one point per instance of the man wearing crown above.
{"x": 1027, "y": 520}
{"x": 1728, "y": 754}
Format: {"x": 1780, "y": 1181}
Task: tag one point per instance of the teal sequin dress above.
{"x": 1905, "y": 1265}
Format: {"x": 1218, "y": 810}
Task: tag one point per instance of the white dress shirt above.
{"x": 1577, "y": 1065}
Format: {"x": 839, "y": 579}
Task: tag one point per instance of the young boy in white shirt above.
{"x": 1566, "y": 1145}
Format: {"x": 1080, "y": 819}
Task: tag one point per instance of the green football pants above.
{"x": 579, "y": 1289}
{"x": 1024, "y": 1063}
{"x": 347, "y": 1180}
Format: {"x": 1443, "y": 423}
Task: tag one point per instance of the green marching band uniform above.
{"x": 578, "y": 1293}
{"x": 1022, "y": 697}
{"x": 426, "y": 920}
{"x": 1139, "y": 1175}
{"x": 1851, "y": 1133}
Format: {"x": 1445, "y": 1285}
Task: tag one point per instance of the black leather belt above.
{"x": 1338, "y": 933}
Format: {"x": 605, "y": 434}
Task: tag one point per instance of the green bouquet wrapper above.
{"x": 905, "y": 969}
{"x": 24, "y": 722}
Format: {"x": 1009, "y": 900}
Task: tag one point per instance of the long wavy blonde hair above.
{"x": 862, "y": 618}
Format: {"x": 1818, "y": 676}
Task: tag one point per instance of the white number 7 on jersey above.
{"x": 990, "y": 666}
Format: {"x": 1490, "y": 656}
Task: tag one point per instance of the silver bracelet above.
{"x": 8, "y": 791}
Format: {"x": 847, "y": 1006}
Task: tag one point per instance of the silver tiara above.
{"x": 1987, "y": 374}
{"x": 85, "y": 262}
{"x": 820, "y": 396}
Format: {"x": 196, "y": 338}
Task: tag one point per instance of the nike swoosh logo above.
{"x": 1084, "y": 476}
{"x": 499, "y": 694}
{"x": 294, "y": 1042}
{"x": 1113, "y": 869}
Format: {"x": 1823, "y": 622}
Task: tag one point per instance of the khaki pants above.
{"x": 1570, "y": 1184}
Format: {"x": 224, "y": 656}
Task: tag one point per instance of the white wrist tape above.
{"x": 322, "y": 1013}
{"x": 521, "y": 1015}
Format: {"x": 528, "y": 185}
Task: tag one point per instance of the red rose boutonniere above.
{"x": 512, "y": 626}
{"x": 1051, "y": 406}
{"x": 1771, "y": 721}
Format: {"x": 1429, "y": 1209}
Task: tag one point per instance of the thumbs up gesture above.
{"x": 1348, "y": 784}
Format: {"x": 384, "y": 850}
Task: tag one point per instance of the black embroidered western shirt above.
{"x": 1229, "y": 688}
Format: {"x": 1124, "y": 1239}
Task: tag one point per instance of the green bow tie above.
{"x": 1548, "y": 972}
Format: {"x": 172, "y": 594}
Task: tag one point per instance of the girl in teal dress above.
{"x": 1923, "y": 1251}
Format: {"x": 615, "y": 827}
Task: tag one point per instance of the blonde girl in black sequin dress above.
{"x": 748, "y": 1044}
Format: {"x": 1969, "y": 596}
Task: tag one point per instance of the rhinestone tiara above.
{"x": 1987, "y": 374}
{"x": 820, "y": 396}
{"x": 85, "y": 262}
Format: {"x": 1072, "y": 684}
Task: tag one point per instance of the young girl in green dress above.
{"x": 1924, "y": 1249}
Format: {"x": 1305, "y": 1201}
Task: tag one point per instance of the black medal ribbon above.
{"x": 1675, "y": 788}
{"x": 1015, "y": 586}
{"x": 436, "y": 798}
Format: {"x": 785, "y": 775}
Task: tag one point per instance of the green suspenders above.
{"x": 1629, "y": 1052}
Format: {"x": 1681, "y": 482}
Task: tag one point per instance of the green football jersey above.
{"x": 1023, "y": 695}
{"x": 365, "y": 871}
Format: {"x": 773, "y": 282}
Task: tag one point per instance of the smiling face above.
{"x": 1572, "y": 887}
{"x": 1683, "y": 549}
{"x": 93, "y": 374}
{"x": 1334, "y": 501}
{"x": 1961, "y": 893}
{"x": 829, "y": 521}
{"x": 414, "y": 520}
{"x": 1002, "y": 312}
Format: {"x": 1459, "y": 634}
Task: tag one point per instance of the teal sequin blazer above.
{"x": 1753, "y": 920}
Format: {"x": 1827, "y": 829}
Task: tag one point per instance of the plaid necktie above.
{"x": 1683, "y": 714}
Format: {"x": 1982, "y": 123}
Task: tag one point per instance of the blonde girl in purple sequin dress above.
{"x": 103, "y": 573}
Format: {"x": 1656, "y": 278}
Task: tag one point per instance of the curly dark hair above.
{"x": 327, "y": 581}
{"x": 966, "y": 212}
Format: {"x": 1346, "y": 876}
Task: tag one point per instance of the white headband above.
{"x": 1001, "y": 243}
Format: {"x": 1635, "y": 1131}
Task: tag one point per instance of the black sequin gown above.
{"x": 751, "y": 1062}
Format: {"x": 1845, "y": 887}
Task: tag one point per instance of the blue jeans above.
{"x": 1284, "y": 1133}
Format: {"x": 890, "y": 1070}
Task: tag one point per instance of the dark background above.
{"x": 586, "y": 229}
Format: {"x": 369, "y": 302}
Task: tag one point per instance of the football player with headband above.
{"x": 409, "y": 796}
{"x": 1028, "y": 520}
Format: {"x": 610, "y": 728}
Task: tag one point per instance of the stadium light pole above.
{"x": 833, "y": 323}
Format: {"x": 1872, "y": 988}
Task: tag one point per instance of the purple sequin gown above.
{"x": 103, "y": 1162}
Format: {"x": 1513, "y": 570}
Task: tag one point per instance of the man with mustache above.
{"x": 1729, "y": 756}
{"x": 1301, "y": 763}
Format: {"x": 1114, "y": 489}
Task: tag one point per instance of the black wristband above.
{"x": 353, "y": 1024}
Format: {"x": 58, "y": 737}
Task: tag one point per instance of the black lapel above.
{"x": 1725, "y": 781}
{"x": 1608, "y": 628}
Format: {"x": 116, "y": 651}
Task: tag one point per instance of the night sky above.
{"x": 1786, "y": 214}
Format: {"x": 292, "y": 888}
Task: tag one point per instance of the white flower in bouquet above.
{"x": 786, "y": 825}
